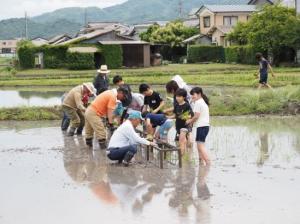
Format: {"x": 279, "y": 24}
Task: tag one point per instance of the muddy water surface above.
{"x": 255, "y": 178}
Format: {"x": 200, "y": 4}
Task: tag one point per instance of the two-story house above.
{"x": 216, "y": 21}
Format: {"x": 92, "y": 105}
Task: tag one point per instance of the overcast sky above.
{"x": 16, "y": 8}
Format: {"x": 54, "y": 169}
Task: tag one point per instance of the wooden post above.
{"x": 161, "y": 159}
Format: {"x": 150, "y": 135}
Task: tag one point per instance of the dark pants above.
{"x": 65, "y": 122}
{"x": 119, "y": 153}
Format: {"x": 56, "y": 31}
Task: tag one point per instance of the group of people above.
{"x": 120, "y": 111}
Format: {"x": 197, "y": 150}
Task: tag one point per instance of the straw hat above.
{"x": 90, "y": 87}
{"x": 103, "y": 69}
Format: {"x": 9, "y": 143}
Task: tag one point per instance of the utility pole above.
{"x": 180, "y": 9}
{"x": 26, "y": 27}
{"x": 85, "y": 17}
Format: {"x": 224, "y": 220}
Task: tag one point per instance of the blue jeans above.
{"x": 119, "y": 153}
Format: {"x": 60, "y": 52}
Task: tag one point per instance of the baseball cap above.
{"x": 134, "y": 114}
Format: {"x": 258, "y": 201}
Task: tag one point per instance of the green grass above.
{"x": 283, "y": 101}
{"x": 208, "y": 74}
{"x": 30, "y": 113}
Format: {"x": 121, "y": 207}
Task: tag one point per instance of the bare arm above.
{"x": 110, "y": 115}
{"x": 193, "y": 119}
{"x": 271, "y": 69}
{"x": 162, "y": 103}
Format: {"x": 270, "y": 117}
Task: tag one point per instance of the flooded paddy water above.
{"x": 255, "y": 178}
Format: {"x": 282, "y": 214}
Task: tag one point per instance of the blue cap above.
{"x": 134, "y": 114}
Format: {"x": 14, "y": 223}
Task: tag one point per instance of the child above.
{"x": 264, "y": 65}
{"x": 155, "y": 120}
{"x": 182, "y": 112}
{"x": 200, "y": 120}
{"x": 152, "y": 99}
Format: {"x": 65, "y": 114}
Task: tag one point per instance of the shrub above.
{"x": 76, "y": 60}
{"x": 240, "y": 54}
{"x": 54, "y": 56}
{"x": 26, "y": 57}
{"x": 113, "y": 55}
{"x": 199, "y": 53}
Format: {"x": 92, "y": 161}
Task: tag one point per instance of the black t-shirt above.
{"x": 182, "y": 114}
{"x": 153, "y": 101}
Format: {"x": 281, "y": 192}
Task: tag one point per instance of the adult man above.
{"x": 101, "y": 108}
{"x": 101, "y": 81}
{"x": 123, "y": 143}
{"x": 264, "y": 66}
{"x": 73, "y": 106}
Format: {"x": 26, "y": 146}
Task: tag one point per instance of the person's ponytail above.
{"x": 198, "y": 90}
{"x": 205, "y": 98}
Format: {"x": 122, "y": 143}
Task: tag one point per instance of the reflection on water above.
{"x": 134, "y": 189}
{"x": 59, "y": 180}
{"x": 14, "y": 98}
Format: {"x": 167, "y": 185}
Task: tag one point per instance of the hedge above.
{"x": 240, "y": 54}
{"x": 201, "y": 53}
{"x": 113, "y": 55}
{"x": 54, "y": 56}
{"x": 76, "y": 60}
{"x": 26, "y": 57}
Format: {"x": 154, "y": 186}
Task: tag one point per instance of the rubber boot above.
{"x": 127, "y": 158}
{"x": 71, "y": 132}
{"x": 79, "y": 131}
{"x": 102, "y": 144}
{"x": 89, "y": 142}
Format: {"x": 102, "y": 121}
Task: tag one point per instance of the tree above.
{"x": 273, "y": 28}
{"x": 173, "y": 33}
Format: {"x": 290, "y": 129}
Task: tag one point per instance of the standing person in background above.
{"x": 152, "y": 99}
{"x": 264, "y": 66}
{"x": 101, "y": 81}
{"x": 101, "y": 108}
{"x": 73, "y": 106}
{"x": 200, "y": 121}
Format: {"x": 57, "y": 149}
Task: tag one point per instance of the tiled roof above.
{"x": 230, "y": 8}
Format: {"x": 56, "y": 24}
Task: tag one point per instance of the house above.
{"x": 136, "y": 53}
{"x": 216, "y": 21}
{"x": 39, "y": 41}
{"x": 8, "y": 47}
{"x": 199, "y": 39}
{"x": 59, "y": 39}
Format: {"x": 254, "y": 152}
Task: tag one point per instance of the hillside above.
{"x": 69, "y": 20}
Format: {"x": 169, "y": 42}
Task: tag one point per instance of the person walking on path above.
{"x": 123, "y": 143}
{"x": 101, "y": 81}
{"x": 201, "y": 122}
{"x": 264, "y": 66}
{"x": 100, "y": 109}
{"x": 73, "y": 106}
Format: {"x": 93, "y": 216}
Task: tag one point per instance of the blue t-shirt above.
{"x": 156, "y": 119}
{"x": 263, "y": 67}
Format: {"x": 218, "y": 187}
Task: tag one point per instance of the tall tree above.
{"x": 271, "y": 29}
{"x": 173, "y": 33}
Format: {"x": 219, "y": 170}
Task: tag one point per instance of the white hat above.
{"x": 90, "y": 87}
{"x": 103, "y": 69}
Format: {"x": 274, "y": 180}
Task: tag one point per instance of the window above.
{"x": 230, "y": 20}
{"x": 206, "y": 21}
{"x": 6, "y": 50}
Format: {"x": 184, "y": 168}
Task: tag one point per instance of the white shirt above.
{"x": 201, "y": 107}
{"x": 125, "y": 135}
